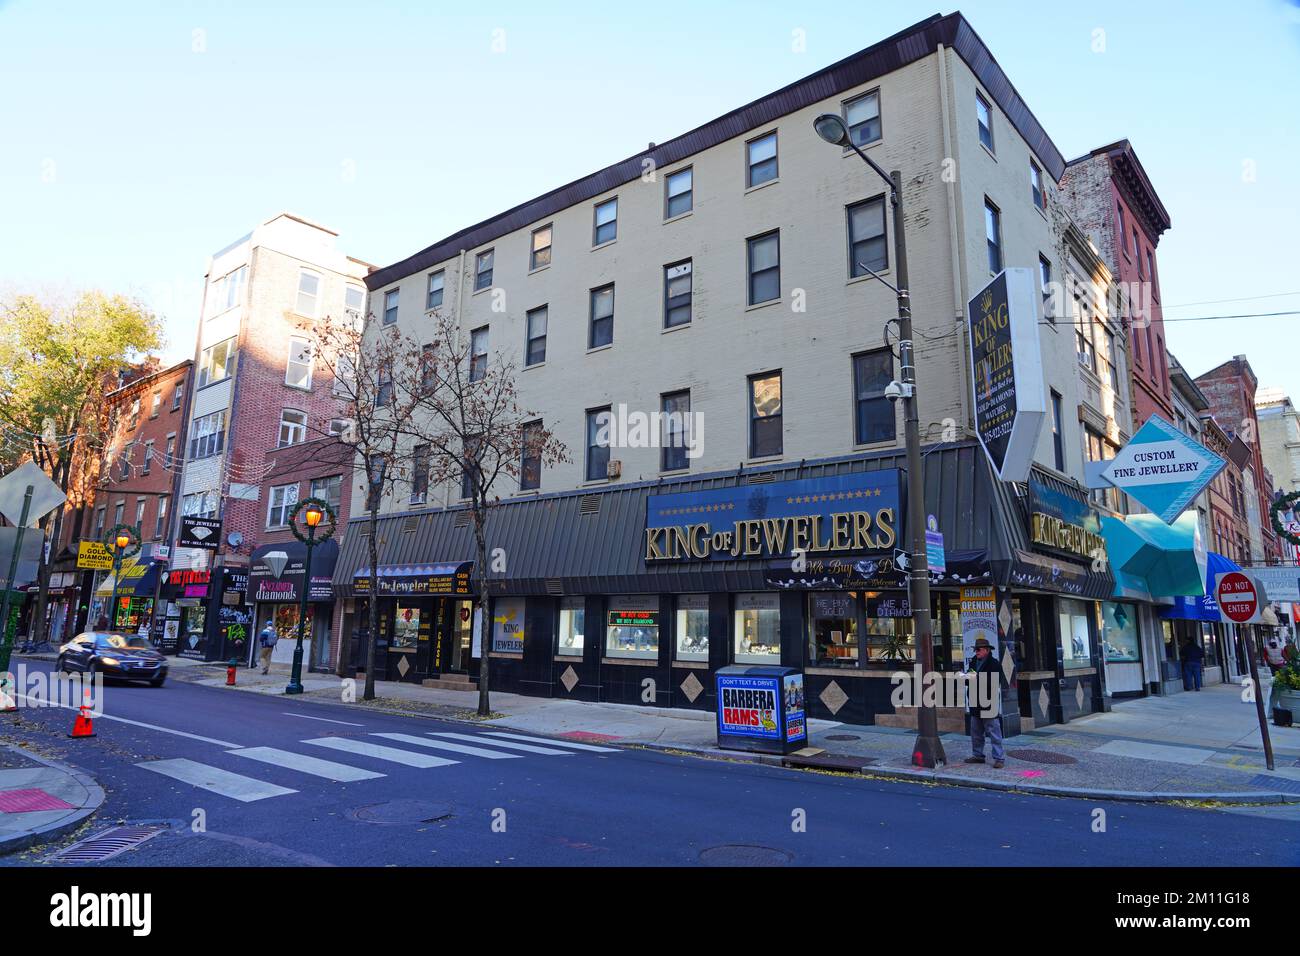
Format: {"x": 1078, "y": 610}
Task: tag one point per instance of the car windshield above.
{"x": 122, "y": 641}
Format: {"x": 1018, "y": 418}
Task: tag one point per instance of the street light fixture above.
{"x": 313, "y": 511}
{"x": 927, "y": 751}
{"x": 120, "y": 542}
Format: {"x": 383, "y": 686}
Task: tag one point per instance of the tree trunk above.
{"x": 373, "y": 604}
{"x": 485, "y": 646}
{"x": 36, "y": 632}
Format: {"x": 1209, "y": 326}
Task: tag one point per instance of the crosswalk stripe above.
{"x": 338, "y": 772}
{"x": 503, "y": 743}
{"x": 557, "y": 743}
{"x": 223, "y": 782}
{"x": 391, "y": 754}
{"x": 447, "y": 745}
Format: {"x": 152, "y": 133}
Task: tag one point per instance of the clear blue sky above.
{"x": 128, "y": 157}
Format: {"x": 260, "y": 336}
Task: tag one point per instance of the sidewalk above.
{"x": 41, "y": 799}
{"x": 1191, "y": 746}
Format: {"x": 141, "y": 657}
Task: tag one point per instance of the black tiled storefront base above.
{"x": 588, "y": 686}
{"x": 706, "y": 697}
{"x": 625, "y": 684}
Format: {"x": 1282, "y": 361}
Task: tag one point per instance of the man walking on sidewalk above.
{"x": 1193, "y": 658}
{"x": 267, "y": 641}
{"x": 988, "y": 681}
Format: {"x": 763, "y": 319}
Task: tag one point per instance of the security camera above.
{"x": 896, "y": 390}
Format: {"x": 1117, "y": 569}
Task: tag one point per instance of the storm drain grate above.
{"x": 106, "y": 845}
{"x": 1042, "y": 756}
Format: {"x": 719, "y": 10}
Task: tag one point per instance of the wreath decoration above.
{"x": 1285, "y": 503}
{"x": 132, "y": 549}
{"x": 324, "y": 532}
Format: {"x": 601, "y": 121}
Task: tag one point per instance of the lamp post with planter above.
{"x": 310, "y": 512}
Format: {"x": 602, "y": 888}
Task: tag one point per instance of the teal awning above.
{"x": 1153, "y": 559}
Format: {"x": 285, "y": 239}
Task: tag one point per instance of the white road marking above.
{"x": 557, "y": 743}
{"x": 447, "y": 745}
{"x": 346, "y": 723}
{"x": 391, "y": 754}
{"x": 138, "y": 723}
{"x": 338, "y": 772}
{"x": 502, "y": 743}
{"x": 223, "y": 782}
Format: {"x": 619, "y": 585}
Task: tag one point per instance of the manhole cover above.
{"x": 399, "y": 812}
{"x": 744, "y": 854}
{"x": 1042, "y": 756}
{"x": 108, "y": 844}
{"x": 843, "y": 737}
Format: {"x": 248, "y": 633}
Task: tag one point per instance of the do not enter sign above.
{"x": 1239, "y": 598}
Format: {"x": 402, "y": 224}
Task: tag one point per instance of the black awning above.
{"x": 275, "y": 572}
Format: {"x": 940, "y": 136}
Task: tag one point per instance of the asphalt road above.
{"x": 503, "y": 804}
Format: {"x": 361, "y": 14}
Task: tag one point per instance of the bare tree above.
{"x": 479, "y": 436}
{"x": 379, "y": 375}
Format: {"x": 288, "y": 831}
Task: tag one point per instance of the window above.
{"x": 758, "y": 628}
{"x": 1036, "y": 185}
{"x": 1135, "y": 247}
{"x": 293, "y": 427}
{"x": 1076, "y": 643}
{"x": 862, "y": 117}
{"x": 1112, "y": 359}
{"x": 633, "y": 629}
{"x": 1137, "y": 349}
{"x": 1083, "y": 345}
{"x": 228, "y": 290}
{"x": 384, "y": 384}
{"x": 993, "y": 235}
{"x": 598, "y": 425}
{"x": 679, "y": 193}
{"x": 834, "y": 639}
{"x": 483, "y": 270}
{"x": 203, "y": 504}
{"x": 867, "y": 237}
{"x": 391, "y": 298}
{"x": 160, "y": 522}
{"x": 177, "y": 396}
{"x": 297, "y": 371}
{"x": 155, "y": 405}
{"x": 135, "y": 414}
{"x": 764, "y": 264}
{"x": 308, "y": 293}
{"x": 433, "y": 298}
{"x": 873, "y": 412}
{"x": 601, "y": 331}
{"x": 1045, "y": 286}
{"x": 329, "y": 490}
{"x": 535, "y": 347}
{"x": 530, "y": 465}
{"x": 675, "y": 439}
{"x": 541, "y": 251}
{"x": 207, "y": 435}
{"x": 127, "y": 451}
{"x": 215, "y": 364}
{"x": 147, "y": 466}
{"x": 283, "y": 498}
{"x": 765, "y": 415}
{"x": 338, "y": 426}
{"x": 985, "y": 115}
{"x": 761, "y": 167}
{"x": 99, "y": 523}
{"x": 1120, "y": 228}
{"x": 693, "y": 627}
{"x": 605, "y": 222}
{"x": 478, "y": 354}
{"x": 677, "y": 294}
{"x": 354, "y": 300}
{"x": 1151, "y": 273}
{"x": 169, "y": 457}
{"x": 1058, "y": 445}
{"x": 118, "y": 510}
{"x": 419, "y": 474}
{"x": 139, "y": 514}
{"x": 569, "y": 639}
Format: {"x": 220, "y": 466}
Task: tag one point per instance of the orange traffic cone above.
{"x": 83, "y": 726}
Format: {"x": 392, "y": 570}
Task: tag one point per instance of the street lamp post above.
{"x": 927, "y": 751}
{"x": 120, "y": 543}
{"x": 311, "y": 517}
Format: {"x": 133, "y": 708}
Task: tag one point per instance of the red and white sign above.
{"x": 1239, "y": 598}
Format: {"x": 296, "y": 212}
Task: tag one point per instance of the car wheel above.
{"x": 61, "y": 665}
{"x": 157, "y": 681}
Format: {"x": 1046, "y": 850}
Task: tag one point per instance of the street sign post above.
{"x": 1162, "y": 469}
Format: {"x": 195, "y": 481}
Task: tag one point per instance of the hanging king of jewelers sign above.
{"x": 1162, "y": 469}
{"x": 1007, "y": 371}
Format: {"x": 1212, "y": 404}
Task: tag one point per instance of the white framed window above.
{"x": 540, "y": 255}
{"x": 297, "y": 372}
{"x": 679, "y": 192}
{"x": 984, "y": 116}
{"x": 354, "y": 301}
{"x": 155, "y": 405}
{"x": 329, "y": 490}
{"x": 437, "y": 280}
{"x": 147, "y": 465}
{"x": 308, "y": 302}
{"x": 390, "y": 306}
{"x": 293, "y": 427}
{"x": 761, "y": 160}
{"x": 478, "y": 354}
{"x": 604, "y": 226}
{"x": 160, "y": 521}
{"x": 1036, "y": 191}
{"x": 483, "y": 269}
{"x": 216, "y": 363}
{"x": 207, "y": 435}
{"x": 862, "y": 117}
{"x": 202, "y": 504}
{"x": 283, "y": 498}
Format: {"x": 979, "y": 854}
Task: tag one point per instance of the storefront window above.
{"x": 1119, "y": 632}
{"x": 1075, "y": 641}
{"x": 693, "y": 627}
{"x": 758, "y": 629}
{"x": 632, "y": 628}
{"x": 572, "y": 626}
{"x": 406, "y": 627}
{"x": 1210, "y": 644}
{"x": 508, "y": 626}
{"x": 834, "y": 639}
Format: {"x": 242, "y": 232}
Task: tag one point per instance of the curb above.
{"x": 51, "y": 831}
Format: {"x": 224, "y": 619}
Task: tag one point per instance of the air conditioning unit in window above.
{"x": 614, "y": 469}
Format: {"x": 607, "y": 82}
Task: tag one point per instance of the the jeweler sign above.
{"x": 1007, "y": 371}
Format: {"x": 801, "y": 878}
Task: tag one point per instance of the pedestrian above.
{"x": 1273, "y": 652}
{"x": 101, "y": 623}
{"x": 989, "y": 678}
{"x": 1193, "y": 657}
{"x": 266, "y": 641}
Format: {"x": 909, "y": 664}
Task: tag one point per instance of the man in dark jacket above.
{"x": 1193, "y": 658}
{"x": 985, "y": 713}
